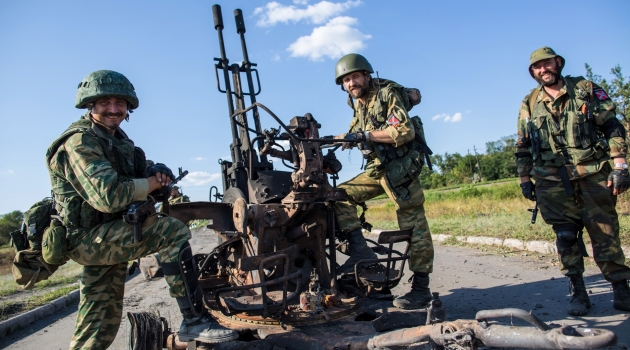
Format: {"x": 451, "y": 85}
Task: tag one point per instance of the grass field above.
{"x": 494, "y": 211}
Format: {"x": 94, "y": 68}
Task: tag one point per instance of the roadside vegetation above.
{"x": 497, "y": 210}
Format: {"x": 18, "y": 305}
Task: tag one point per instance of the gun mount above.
{"x": 274, "y": 270}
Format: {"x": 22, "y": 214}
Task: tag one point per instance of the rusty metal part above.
{"x": 219, "y": 213}
{"x": 240, "y": 215}
{"x": 173, "y": 343}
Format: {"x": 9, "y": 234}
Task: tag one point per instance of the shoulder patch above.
{"x": 392, "y": 120}
{"x": 601, "y": 94}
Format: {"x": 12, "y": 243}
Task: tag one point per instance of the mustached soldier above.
{"x": 381, "y": 121}
{"x": 96, "y": 172}
{"x": 568, "y": 134}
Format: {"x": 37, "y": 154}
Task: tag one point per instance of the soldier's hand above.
{"x": 355, "y": 137}
{"x": 619, "y": 180}
{"x": 529, "y": 190}
{"x": 162, "y": 173}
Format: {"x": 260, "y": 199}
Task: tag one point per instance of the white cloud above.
{"x": 332, "y": 40}
{"x": 285, "y": 144}
{"x": 276, "y": 57}
{"x": 198, "y": 158}
{"x": 300, "y": 2}
{"x": 273, "y": 12}
{"x": 199, "y": 178}
{"x": 7, "y": 172}
{"x": 447, "y": 118}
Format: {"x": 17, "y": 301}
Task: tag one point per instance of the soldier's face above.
{"x": 547, "y": 72}
{"x": 109, "y": 112}
{"x": 357, "y": 84}
{"x": 174, "y": 193}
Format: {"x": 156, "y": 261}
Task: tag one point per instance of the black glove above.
{"x": 620, "y": 179}
{"x": 355, "y": 136}
{"x": 158, "y": 168}
{"x": 529, "y": 191}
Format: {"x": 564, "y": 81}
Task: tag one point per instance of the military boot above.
{"x": 359, "y": 250}
{"x": 580, "y": 303}
{"x": 621, "y": 293}
{"x": 419, "y": 296}
{"x": 200, "y": 325}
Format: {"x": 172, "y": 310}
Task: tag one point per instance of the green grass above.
{"x": 9, "y": 309}
{"x": 494, "y": 211}
{"x": 66, "y": 274}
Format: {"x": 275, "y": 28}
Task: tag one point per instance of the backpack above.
{"x": 29, "y": 264}
{"x": 410, "y": 97}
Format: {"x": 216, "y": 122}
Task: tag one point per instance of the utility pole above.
{"x": 472, "y": 172}
{"x": 478, "y": 165}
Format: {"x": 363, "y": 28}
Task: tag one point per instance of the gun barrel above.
{"x": 137, "y": 232}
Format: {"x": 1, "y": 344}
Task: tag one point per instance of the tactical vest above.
{"x": 128, "y": 161}
{"x": 400, "y": 165}
{"x": 571, "y": 139}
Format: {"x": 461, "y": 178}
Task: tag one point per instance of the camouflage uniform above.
{"x": 95, "y": 176}
{"x": 373, "y": 182}
{"x": 557, "y": 133}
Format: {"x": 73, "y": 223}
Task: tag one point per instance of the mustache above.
{"x": 112, "y": 114}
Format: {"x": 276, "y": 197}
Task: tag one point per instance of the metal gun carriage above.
{"x": 273, "y": 276}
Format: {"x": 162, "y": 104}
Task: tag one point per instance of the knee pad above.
{"x": 566, "y": 235}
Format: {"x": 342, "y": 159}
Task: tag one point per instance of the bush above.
{"x": 9, "y": 223}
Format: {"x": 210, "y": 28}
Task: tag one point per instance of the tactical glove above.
{"x": 158, "y": 168}
{"x": 355, "y": 136}
{"x": 619, "y": 179}
{"x": 529, "y": 190}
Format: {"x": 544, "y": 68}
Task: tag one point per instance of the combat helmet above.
{"x": 349, "y": 63}
{"x": 105, "y": 83}
{"x": 543, "y": 53}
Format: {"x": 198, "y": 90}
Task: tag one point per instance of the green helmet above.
{"x": 349, "y": 63}
{"x": 104, "y": 83}
{"x": 543, "y": 53}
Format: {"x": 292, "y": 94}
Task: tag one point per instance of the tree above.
{"x": 618, "y": 89}
{"x": 9, "y": 223}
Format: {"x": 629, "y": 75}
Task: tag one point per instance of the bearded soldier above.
{"x": 388, "y": 137}
{"x": 96, "y": 173}
{"x": 570, "y": 141}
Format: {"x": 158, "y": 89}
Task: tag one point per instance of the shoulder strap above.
{"x": 77, "y": 127}
{"x": 532, "y": 100}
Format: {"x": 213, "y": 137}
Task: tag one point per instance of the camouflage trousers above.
{"x": 592, "y": 206}
{"x": 104, "y": 251}
{"x": 410, "y": 214}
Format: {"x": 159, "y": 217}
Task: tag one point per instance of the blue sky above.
{"x": 469, "y": 59}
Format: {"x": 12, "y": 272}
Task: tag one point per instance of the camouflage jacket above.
{"x": 385, "y": 113}
{"x": 95, "y": 176}
{"x": 565, "y": 131}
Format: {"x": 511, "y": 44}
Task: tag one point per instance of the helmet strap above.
{"x": 127, "y": 117}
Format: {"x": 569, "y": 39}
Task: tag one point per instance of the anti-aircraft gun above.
{"x": 274, "y": 271}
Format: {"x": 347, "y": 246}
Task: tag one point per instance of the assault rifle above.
{"x": 140, "y": 211}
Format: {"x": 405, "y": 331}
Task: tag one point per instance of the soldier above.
{"x": 381, "y": 123}
{"x": 177, "y": 196}
{"x": 568, "y": 137}
{"x": 96, "y": 172}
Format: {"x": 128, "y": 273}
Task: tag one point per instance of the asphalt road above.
{"x": 467, "y": 279}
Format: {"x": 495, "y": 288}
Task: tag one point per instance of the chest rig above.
{"x": 569, "y": 138}
{"x": 128, "y": 161}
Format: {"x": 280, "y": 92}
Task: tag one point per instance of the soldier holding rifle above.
{"x": 96, "y": 173}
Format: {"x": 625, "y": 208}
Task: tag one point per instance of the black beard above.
{"x": 556, "y": 78}
{"x": 359, "y": 93}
